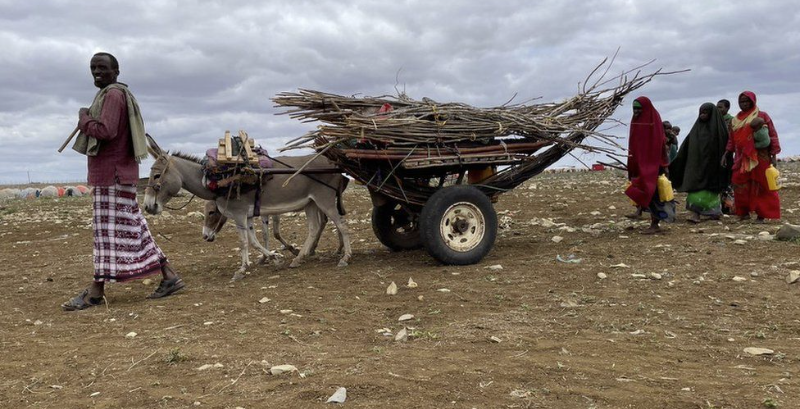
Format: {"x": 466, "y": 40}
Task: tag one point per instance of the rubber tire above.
{"x": 388, "y": 235}
{"x": 431, "y": 217}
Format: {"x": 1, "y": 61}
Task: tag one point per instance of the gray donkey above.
{"x": 322, "y": 196}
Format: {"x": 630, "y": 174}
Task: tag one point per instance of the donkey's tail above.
{"x": 342, "y": 186}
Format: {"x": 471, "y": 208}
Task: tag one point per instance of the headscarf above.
{"x": 743, "y": 135}
{"x": 697, "y": 165}
{"x": 646, "y": 153}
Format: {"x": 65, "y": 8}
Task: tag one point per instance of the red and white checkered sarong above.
{"x": 123, "y": 247}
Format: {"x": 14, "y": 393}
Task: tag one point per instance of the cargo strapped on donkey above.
{"x": 235, "y": 165}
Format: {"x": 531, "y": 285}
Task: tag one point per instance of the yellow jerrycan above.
{"x": 665, "y": 193}
{"x": 772, "y": 178}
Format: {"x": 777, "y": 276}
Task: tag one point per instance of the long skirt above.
{"x": 704, "y": 203}
{"x": 663, "y": 211}
{"x": 751, "y": 194}
{"x": 124, "y": 250}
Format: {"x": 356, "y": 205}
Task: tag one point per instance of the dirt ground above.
{"x": 666, "y": 328}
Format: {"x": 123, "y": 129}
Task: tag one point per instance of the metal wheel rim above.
{"x": 396, "y": 223}
{"x": 473, "y": 234}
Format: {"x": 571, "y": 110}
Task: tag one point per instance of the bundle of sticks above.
{"x": 363, "y": 134}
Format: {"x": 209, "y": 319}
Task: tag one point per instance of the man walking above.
{"x": 113, "y": 139}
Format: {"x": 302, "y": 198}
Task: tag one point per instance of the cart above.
{"x": 433, "y": 170}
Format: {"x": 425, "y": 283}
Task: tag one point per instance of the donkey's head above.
{"x": 164, "y": 183}
{"x": 213, "y": 220}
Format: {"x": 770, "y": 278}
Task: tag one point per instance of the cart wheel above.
{"x": 395, "y": 228}
{"x": 458, "y": 225}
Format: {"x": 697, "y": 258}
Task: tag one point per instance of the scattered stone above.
{"x": 557, "y": 239}
{"x": 620, "y": 265}
{"x": 391, "y": 289}
{"x": 739, "y": 279}
{"x": 788, "y": 232}
{"x": 638, "y": 276}
{"x": 758, "y": 351}
{"x": 94, "y": 394}
{"x": 753, "y": 274}
{"x": 495, "y": 339}
{"x": 405, "y": 317}
{"x": 637, "y": 332}
{"x": 570, "y": 259}
{"x": 443, "y": 290}
{"x": 281, "y": 369}
{"x": 38, "y": 322}
{"x": 286, "y": 311}
{"x": 655, "y": 276}
{"x": 208, "y": 322}
{"x": 421, "y": 297}
{"x": 731, "y": 340}
{"x": 601, "y": 276}
{"x": 338, "y": 397}
{"x": 147, "y": 281}
{"x": 411, "y": 283}
{"x": 793, "y": 276}
{"x": 56, "y": 387}
{"x": 764, "y": 235}
{"x": 402, "y": 335}
{"x": 131, "y": 335}
{"x": 740, "y": 242}
{"x": 612, "y": 207}
{"x": 210, "y": 366}
{"x": 495, "y": 267}
{"x": 263, "y": 300}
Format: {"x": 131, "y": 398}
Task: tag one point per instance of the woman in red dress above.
{"x": 750, "y": 189}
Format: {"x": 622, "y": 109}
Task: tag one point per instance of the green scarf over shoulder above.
{"x": 90, "y": 146}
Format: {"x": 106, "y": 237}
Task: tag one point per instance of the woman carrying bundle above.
{"x": 647, "y": 159}
{"x": 696, "y": 169}
{"x": 751, "y": 191}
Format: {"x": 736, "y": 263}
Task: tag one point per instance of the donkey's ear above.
{"x": 152, "y": 146}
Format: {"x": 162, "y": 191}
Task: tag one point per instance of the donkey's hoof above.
{"x": 342, "y": 263}
{"x": 237, "y": 277}
{"x": 295, "y": 263}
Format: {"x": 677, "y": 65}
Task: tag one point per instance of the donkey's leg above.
{"x": 243, "y": 231}
{"x": 313, "y": 232}
{"x": 338, "y": 221}
{"x": 276, "y": 232}
{"x": 319, "y": 216}
{"x": 265, "y": 253}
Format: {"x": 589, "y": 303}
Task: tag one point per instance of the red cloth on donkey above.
{"x": 646, "y": 153}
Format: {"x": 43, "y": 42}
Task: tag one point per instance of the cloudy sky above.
{"x": 201, "y": 67}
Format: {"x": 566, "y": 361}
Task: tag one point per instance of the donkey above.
{"x": 170, "y": 173}
{"x": 213, "y": 220}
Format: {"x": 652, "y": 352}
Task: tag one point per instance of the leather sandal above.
{"x": 167, "y": 287}
{"x": 82, "y": 301}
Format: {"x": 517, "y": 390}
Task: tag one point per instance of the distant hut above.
{"x": 49, "y": 191}
{"x": 8, "y": 193}
{"x": 28, "y": 193}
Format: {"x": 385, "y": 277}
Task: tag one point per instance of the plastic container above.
{"x": 772, "y": 178}
{"x": 665, "y": 192}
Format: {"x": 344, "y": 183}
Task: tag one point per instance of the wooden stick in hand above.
{"x": 72, "y": 135}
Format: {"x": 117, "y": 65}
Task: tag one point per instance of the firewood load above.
{"x": 396, "y": 144}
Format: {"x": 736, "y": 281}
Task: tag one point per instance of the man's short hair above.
{"x": 114, "y": 62}
{"x": 725, "y": 102}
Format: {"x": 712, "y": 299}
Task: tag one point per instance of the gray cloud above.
{"x": 201, "y": 68}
